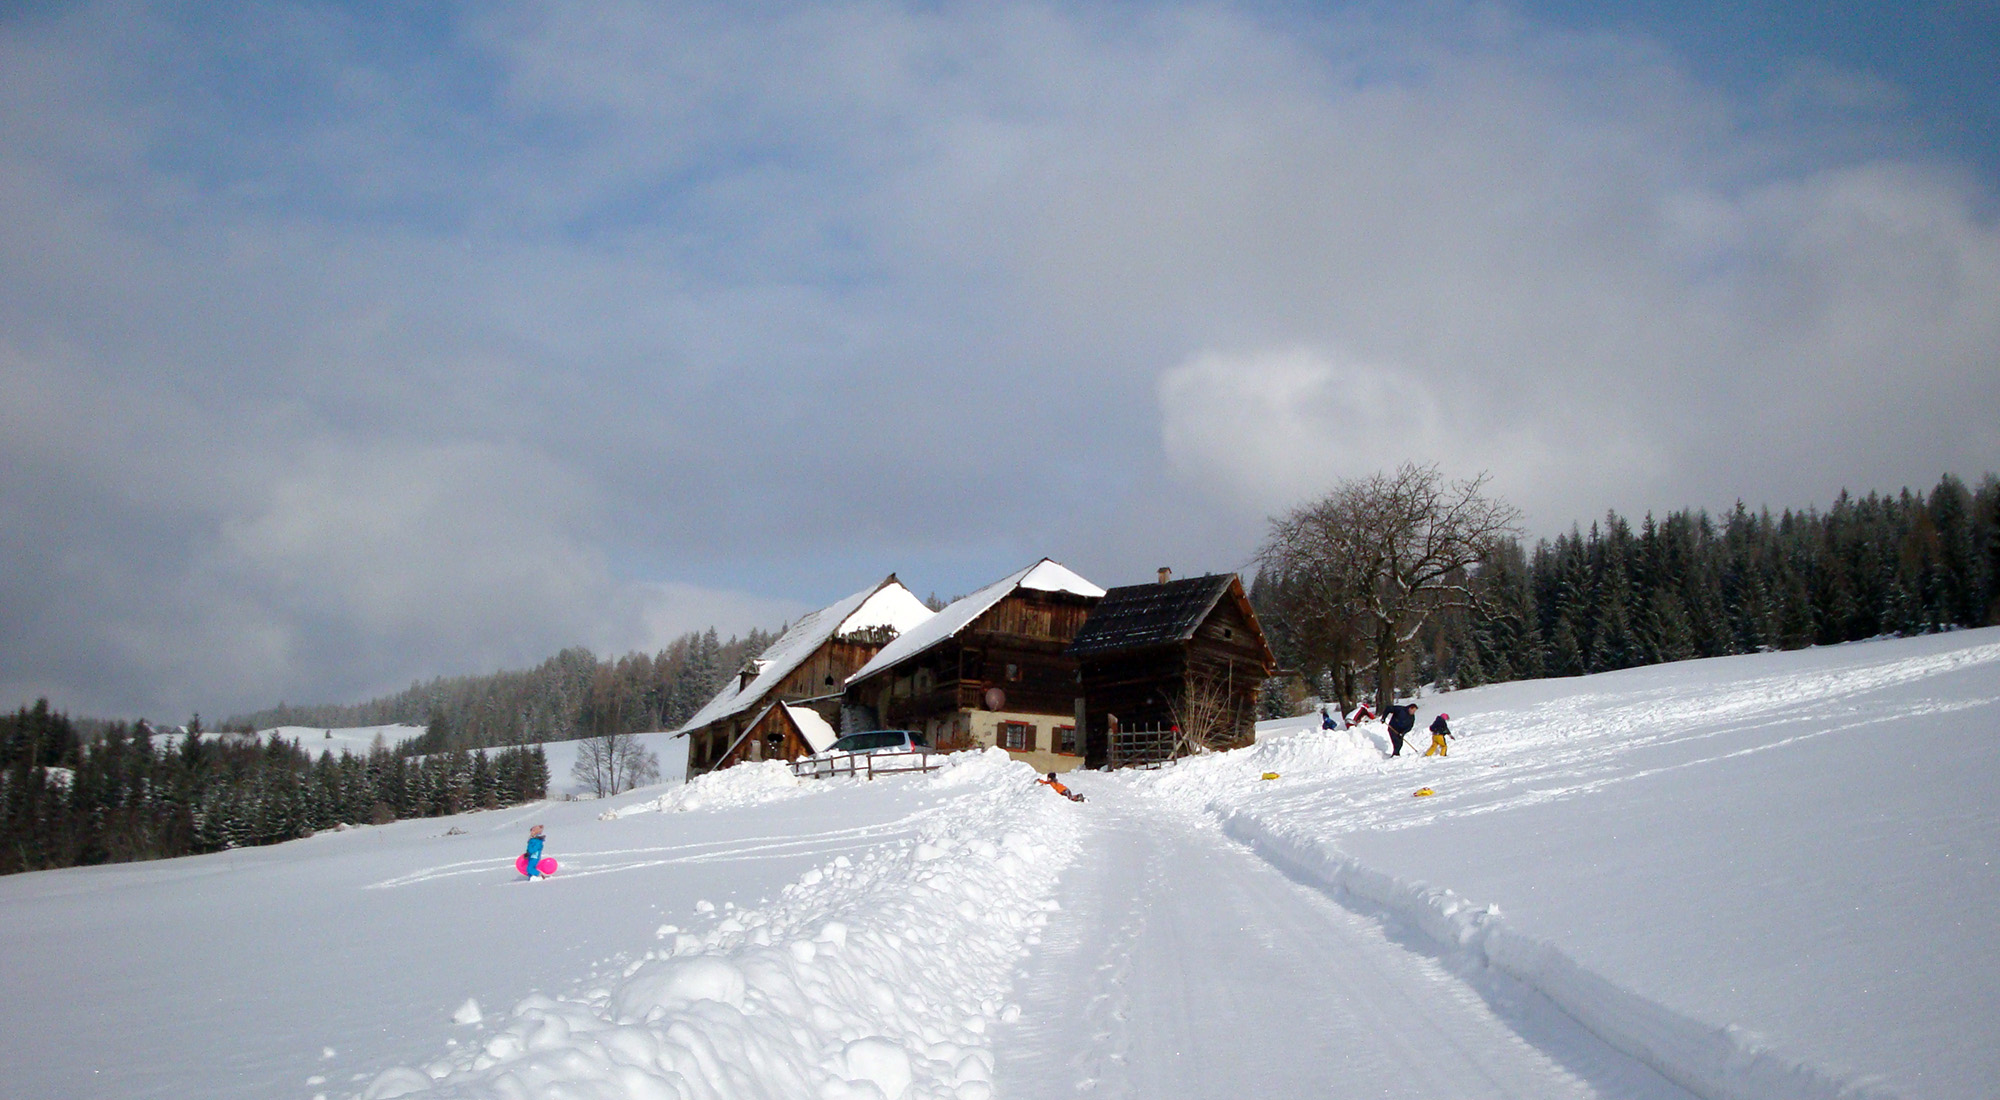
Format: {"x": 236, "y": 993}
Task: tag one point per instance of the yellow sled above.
{"x": 1423, "y": 792}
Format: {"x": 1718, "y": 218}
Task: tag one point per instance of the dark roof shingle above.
{"x": 1143, "y": 615}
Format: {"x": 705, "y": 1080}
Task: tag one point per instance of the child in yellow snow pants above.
{"x": 1439, "y": 731}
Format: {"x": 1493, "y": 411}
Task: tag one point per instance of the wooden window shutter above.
{"x": 1030, "y": 738}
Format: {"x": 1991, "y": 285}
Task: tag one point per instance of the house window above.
{"x": 1065, "y": 738}
{"x": 1013, "y": 672}
{"x": 1017, "y": 736}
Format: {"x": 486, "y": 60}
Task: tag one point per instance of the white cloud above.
{"x": 1259, "y": 432}
{"x": 1267, "y": 429}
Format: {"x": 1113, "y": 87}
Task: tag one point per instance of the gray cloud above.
{"x": 333, "y": 357}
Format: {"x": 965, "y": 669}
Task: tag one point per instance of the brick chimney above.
{"x": 1166, "y": 574}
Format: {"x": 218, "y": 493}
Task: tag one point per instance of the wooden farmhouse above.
{"x": 808, "y": 665}
{"x": 1185, "y": 653}
{"x": 991, "y": 669}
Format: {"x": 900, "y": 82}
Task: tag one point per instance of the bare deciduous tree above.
{"x": 614, "y": 763}
{"x": 1369, "y": 563}
{"x": 1207, "y": 716}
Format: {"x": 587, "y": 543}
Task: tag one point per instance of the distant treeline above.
{"x": 66, "y": 800}
{"x": 572, "y": 694}
{"x": 1690, "y": 585}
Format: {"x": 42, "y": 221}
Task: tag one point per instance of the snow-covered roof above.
{"x": 818, "y": 732}
{"x": 886, "y": 604}
{"x": 1043, "y": 576}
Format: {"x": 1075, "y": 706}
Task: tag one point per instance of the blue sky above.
{"x": 342, "y": 346}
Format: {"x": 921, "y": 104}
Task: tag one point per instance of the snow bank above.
{"x": 743, "y": 785}
{"x": 1719, "y": 1063}
{"x": 874, "y": 978}
{"x": 1199, "y": 781}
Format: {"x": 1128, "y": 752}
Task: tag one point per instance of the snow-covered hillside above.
{"x": 1763, "y": 876}
{"x": 359, "y": 740}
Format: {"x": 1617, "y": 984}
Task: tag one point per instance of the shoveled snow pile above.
{"x": 879, "y": 977}
{"x": 742, "y": 785}
{"x": 1201, "y": 780}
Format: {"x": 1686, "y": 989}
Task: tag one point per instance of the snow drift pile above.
{"x": 877, "y": 978}
{"x": 742, "y": 785}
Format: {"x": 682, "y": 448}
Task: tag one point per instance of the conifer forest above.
{"x": 118, "y": 796}
{"x": 1690, "y": 585}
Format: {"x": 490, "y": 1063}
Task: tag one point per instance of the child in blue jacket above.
{"x": 535, "y": 852}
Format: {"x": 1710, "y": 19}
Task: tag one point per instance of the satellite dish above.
{"x": 995, "y": 698}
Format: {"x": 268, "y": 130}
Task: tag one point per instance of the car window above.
{"x": 862, "y": 742}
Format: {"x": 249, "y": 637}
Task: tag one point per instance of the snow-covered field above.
{"x": 1764, "y": 876}
{"x": 360, "y": 740}
{"x": 354, "y": 739}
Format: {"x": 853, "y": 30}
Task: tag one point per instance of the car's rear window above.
{"x": 857, "y": 742}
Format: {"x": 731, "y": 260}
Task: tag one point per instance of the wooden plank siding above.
{"x": 1017, "y": 646}
{"x": 816, "y": 682}
{"x": 774, "y": 736}
{"x": 1139, "y": 683}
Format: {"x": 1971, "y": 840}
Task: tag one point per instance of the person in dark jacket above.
{"x": 1327, "y": 721}
{"x": 1402, "y": 720}
{"x": 1439, "y": 731}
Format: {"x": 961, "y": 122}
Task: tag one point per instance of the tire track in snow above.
{"x": 1184, "y": 966}
{"x": 1075, "y": 1004}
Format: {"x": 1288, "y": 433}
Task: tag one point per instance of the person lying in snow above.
{"x": 1439, "y": 731}
{"x": 1056, "y": 785}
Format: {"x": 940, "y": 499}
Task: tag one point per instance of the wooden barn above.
{"x": 991, "y": 669}
{"x": 808, "y": 665}
{"x": 782, "y": 731}
{"x": 1152, "y": 657}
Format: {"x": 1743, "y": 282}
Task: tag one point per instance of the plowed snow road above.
{"x": 1182, "y": 965}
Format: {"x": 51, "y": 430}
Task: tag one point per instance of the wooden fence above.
{"x": 865, "y": 764}
{"x": 1145, "y": 746}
